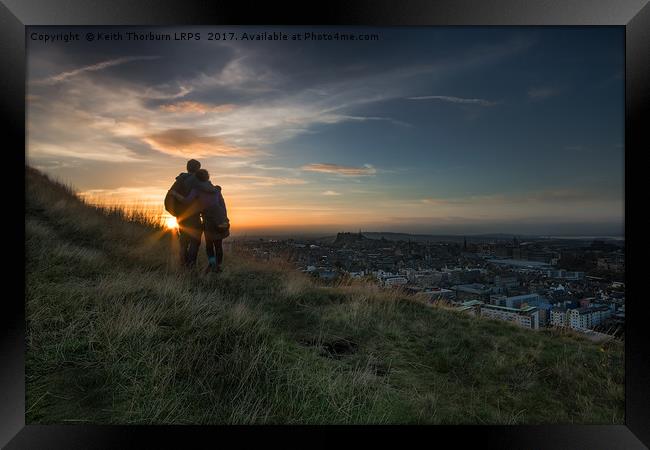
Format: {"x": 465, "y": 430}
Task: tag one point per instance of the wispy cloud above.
{"x": 450, "y": 99}
{"x": 331, "y": 193}
{"x": 196, "y": 107}
{"x": 364, "y": 119}
{"x": 188, "y": 122}
{"x": 273, "y": 168}
{"x": 105, "y": 151}
{"x": 366, "y": 169}
{"x": 241, "y": 74}
{"x": 156, "y": 93}
{"x": 63, "y": 76}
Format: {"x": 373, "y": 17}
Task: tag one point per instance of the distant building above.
{"x": 582, "y": 318}
{"x": 506, "y": 282}
{"x": 518, "y": 300}
{"x": 527, "y": 317}
{"x": 499, "y": 300}
{"x": 559, "y": 317}
{"x": 544, "y": 313}
{"x": 588, "y": 317}
{"x": 474, "y": 291}
{"x": 565, "y": 275}
{"x": 395, "y": 281}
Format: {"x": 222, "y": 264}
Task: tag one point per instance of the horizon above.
{"x": 440, "y": 131}
{"x": 501, "y": 236}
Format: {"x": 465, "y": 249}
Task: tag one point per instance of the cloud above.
{"x": 446, "y": 98}
{"x": 224, "y": 108}
{"x": 370, "y": 118}
{"x": 161, "y": 93}
{"x": 349, "y": 171}
{"x": 242, "y": 74}
{"x": 264, "y": 120}
{"x": 273, "y": 168}
{"x": 541, "y": 93}
{"x": 187, "y": 142}
{"x": 63, "y": 76}
{"x": 196, "y": 107}
{"x": 93, "y": 151}
{"x": 331, "y": 193}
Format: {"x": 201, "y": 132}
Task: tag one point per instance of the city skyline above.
{"x": 428, "y": 130}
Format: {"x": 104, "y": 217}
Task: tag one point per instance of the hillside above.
{"x": 118, "y": 334}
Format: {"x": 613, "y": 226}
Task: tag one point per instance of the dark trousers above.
{"x": 214, "y": 248}
{"x": 189, "y": 237}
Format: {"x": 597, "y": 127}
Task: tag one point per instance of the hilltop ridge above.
{"x": 116, "y": 333}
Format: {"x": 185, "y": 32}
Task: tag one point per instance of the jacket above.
{"x": 184, "y": 184}
{"x": 207, "y": 199}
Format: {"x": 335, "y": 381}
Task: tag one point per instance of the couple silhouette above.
{"x": 199, "y": 209}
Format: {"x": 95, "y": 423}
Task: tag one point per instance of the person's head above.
{"x": 202, "y": 175}
{"x": 193, "y": 165}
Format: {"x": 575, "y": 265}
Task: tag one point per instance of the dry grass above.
{"x": 118, "y": 334}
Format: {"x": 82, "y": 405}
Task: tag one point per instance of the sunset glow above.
{"x": 427, "y": 130}
{"x": 170, "y": 223}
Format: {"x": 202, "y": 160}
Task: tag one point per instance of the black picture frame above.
{"x": 634, "y": 15}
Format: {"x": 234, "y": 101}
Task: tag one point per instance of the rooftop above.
{"x": 472, "y": 303}
{"x": 505, "y": 308}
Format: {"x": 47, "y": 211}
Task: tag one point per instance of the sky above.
{"x": 447, "y": 130}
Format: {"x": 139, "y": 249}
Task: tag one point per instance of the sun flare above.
{"x": 170, "y": 223}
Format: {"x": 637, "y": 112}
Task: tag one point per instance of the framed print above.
{"x": 246, "y": 220}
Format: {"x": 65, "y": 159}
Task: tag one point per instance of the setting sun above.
{"x": 170, "y": 223}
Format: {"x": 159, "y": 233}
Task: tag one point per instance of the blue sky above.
{"x": 441, "y": 130}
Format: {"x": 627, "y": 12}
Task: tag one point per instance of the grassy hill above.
{"x": 117, "y": 334}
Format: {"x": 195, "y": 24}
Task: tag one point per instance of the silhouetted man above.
{"x": 189, "y": 217}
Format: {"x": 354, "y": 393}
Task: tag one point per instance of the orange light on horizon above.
{"x": 246, "y": 215}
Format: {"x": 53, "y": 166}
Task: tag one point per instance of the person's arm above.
{"x": 176, "y": 195}
{"x": 192, "y": 195}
